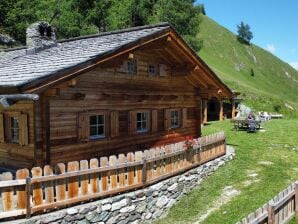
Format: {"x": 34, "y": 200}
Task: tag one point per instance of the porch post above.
{"x": 205, "y": 113}
{"x": 233, "y": 109}
{"x": 221, "y": 110}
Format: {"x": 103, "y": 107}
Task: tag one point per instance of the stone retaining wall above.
{"x": 139, "y": 206}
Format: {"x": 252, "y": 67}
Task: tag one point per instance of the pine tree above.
{"x": 244, "y": 33}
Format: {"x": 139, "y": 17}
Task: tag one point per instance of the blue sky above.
{"x": 274, "y": 23}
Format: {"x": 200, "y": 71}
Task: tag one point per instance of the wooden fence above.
{"x": 39, "y": 190}
{"x": 281, "y": 209}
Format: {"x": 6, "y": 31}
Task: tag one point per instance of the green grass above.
{"x": 274, "y": 83}
{"x": 275, "y": 145}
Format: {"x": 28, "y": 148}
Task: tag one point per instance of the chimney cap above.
{"x": 40, "y": 35}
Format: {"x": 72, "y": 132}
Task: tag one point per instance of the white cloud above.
{"x": 294, "y": 65}
{"x": 271, "y": 48}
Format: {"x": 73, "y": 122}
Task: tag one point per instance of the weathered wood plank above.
{"x": 131, "y": 170}
{"x": 21, "y": 191}
{"x": 85, "y": 178}
{"x": 37, "y": 187}
{"x": 49, "y": 185}
{"x": 104, "y": 162}
{"x": 60, "y": 184}
{"x": 94, "y": 180}
{"x": 121, "y": 172}
{"x": 7, "y": 193}
{"x": 139, "y": 157}
{"x": 73, "y": 182}
{"x": 113, "y": 174}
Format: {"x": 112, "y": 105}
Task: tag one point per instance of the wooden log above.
{"x": 113, "y": 174}
{"x": 139, "y": 157}
{"x": 49, "y": 185}
{"x": 85, "y": 178}
{"x": 37, "y": 187}
{"x": 131, "y": 170}
{"x": 73, "y": 182}
{"x": 94, "y": 180}
{"x": 121, "y": 172}
{"x": 104, "y": 162}
{"x": 7, "y": 193}
{"x": 21, "y": 190}
{"x": 60, "y": 184}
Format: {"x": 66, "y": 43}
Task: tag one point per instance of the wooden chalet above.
{"x": 99, "y": 95}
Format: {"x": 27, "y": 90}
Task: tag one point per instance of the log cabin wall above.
{"x": 17, "y": 152}
{"x": 109, "y": 89}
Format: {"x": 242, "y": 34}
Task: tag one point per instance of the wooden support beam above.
{"x": 199, "y": 80}
{"x": 221, "y": 110}
{"x": 205, "y": 111}
{"x": 233, "y": 109}
{"x": 174, "y": 56}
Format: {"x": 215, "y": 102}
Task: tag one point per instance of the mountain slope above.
{"x": 274, "y": 85}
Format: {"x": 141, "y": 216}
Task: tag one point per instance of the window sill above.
{"x": 174, "y": 127}
{"x": 97, "y": 137}
{"x": 142, "y": 131}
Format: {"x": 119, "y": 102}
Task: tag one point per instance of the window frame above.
{"x": 169, "y": 118}
{"x": 14, "y": 131}
{"x": 155, "y": 72}
{"x": 21, "y": 131}
{"x": 175, "y": 121}
{"x": 134, "y": 63}
{"x": 84, "y": 132}
{"x": 94, "y": 137}
{"x": 147, "y": 120}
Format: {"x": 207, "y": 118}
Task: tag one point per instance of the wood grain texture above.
{"x": 21, "y": 191}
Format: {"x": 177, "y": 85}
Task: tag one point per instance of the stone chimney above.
{"x": 40, "y": 35}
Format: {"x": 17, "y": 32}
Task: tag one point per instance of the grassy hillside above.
{"x": 274, "y": 86}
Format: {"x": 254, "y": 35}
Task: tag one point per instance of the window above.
{"x": 152, "y": 70}
{"x": 131, "y": 67}
{"x": 175, "y": 121}
{"x": 14, "y": 127}
{"x": 97, "y": 126}
{"x": 142, "y": 122}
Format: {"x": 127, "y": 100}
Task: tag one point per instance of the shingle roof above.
{"x": 18, "y": 68}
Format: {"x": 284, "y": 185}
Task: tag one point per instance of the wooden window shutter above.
{"x": 184, "y": 117}
{"x": 167, "y": 119}
{"x": 114, "y": 123}
{"x": 132, "y": 122}
{"x": 162, "y": 70}
{"x": 84, "y": 128}
{"x": 2, "y": 140}
{"x": 154, "y": 120}
{"x": 23, "y": 130}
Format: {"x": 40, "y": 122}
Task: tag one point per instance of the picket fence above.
{"x": 40, "y": 190}
{"x": 279, "y": 210}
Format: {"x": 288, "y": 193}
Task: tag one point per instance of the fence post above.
{"x": 296, "y": 197}
{"x": 225, "y": 145}
{"x": 144, "y": 171}
{"x": 199, "y": 152}
{"x": 28, "y": 195}
{"x": 271, "y": 213}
